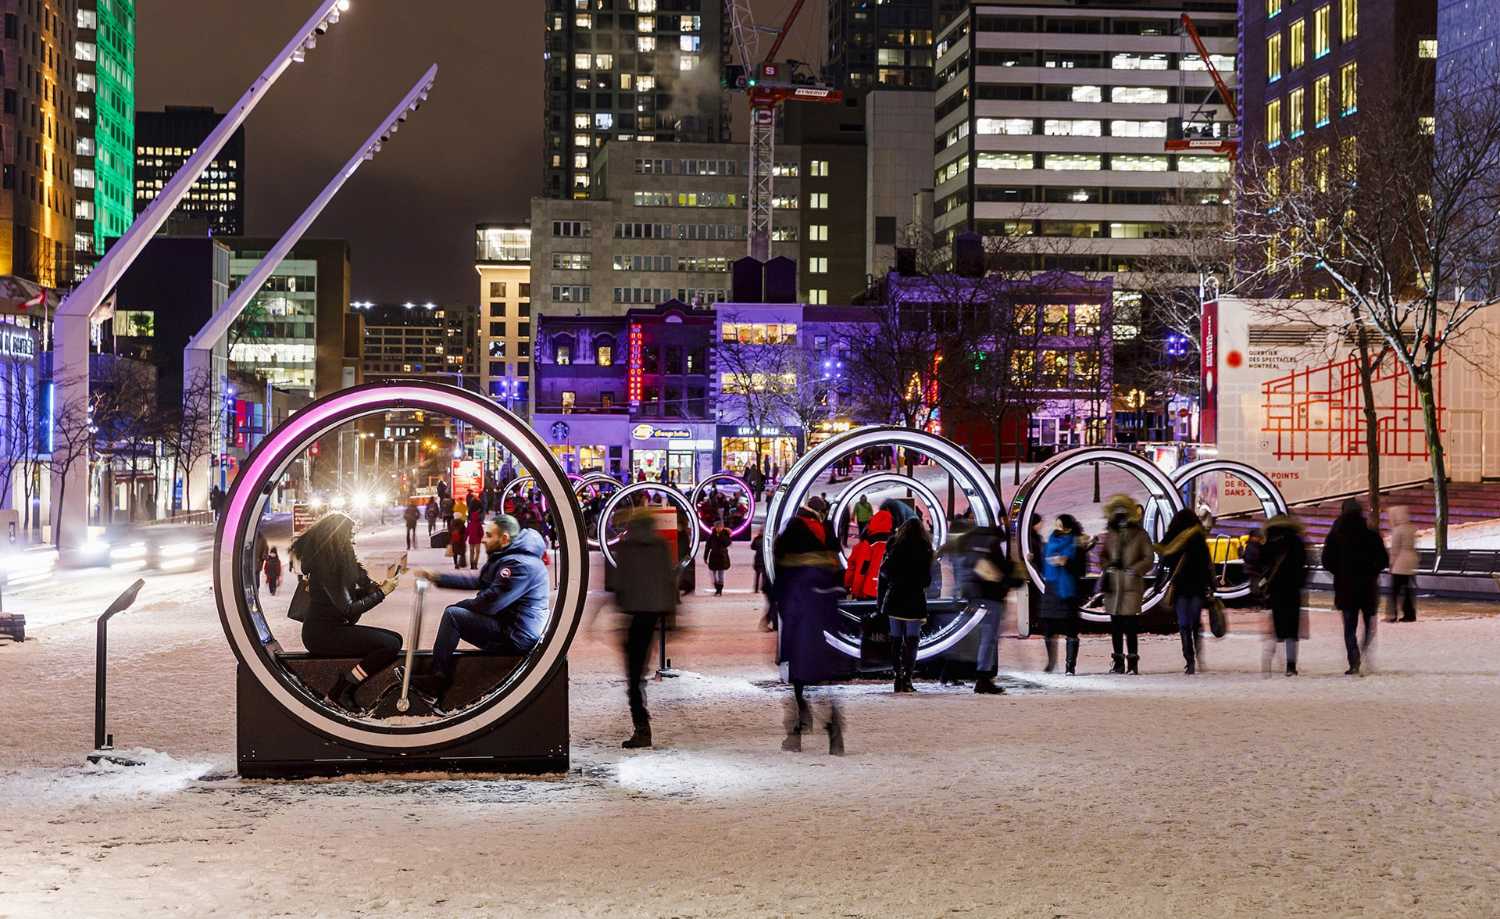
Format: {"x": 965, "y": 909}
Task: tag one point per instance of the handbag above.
{"x": 1218, "y": 622}
{"x": 301, "y": 601}
{"x": 1171, "y": 593}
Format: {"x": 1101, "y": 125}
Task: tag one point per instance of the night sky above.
{"x": 471, "y": 155}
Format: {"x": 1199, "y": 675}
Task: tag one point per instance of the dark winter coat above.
{"x": 645, "y": 578}
{"x": 1355, "y": 555}
{"x": 339, "y": 600}
{"x": 456, "y": 533}
{"x": 716, "y": 549}
{"x": 981, "y": 543}
{"x": 412, "y": 514}
{"x": 512, "y": 587}
{"x": 905, "y": 573}
{"x": 273, "y": 570}
{"x": 806, "y": 592}
{"x": 1283, "y": 559}
{"x": 1185, "y": 557}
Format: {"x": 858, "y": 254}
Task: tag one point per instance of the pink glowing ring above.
{"x": 239, "y": 606}
{"x": 702, "y": 486}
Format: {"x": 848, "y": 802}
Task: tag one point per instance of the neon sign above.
{"x": 636, "y": 372}
{"x": 17, "y": 344}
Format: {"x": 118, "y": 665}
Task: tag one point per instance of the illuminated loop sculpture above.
{"x": 702, "y": 488}
{"x": 1271, "y": 501}
{"x": 286, "y": 728}
{"x": 869, "y": 483}
{"x": 967, "y": 474}
{"x": 596, "y": 481}
{"x": 640, "y": 488}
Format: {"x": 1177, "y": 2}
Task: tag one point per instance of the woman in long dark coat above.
{"x": 1283, "y": 559}
{"x": 809, "y": 583}
{"x": 905, "y": 574}
{"x": 716, "y": 554}
{"x": 1185, "y": 555}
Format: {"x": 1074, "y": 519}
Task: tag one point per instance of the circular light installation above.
{"x": 967, "y": 474}
{"x": 514, "y": 485}
{"x": 702, "y": 487}
{"x": 675, "y": 496}
{"x": 596, "y": 481}
{"x": 858, "y": 487}
{"x": 1161, "y": 503}
{"x": 1271, "y": 501}
{"x": 234, "y": 580}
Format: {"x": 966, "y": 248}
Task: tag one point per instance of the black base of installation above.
{"x": 275, "y": 744}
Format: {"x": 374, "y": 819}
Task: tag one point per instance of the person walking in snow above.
{"x": 1283, "y": 560}
{"x": 716, "y": 554}
{"x": 1355, "y": 555}
{"x": 806, "y": 590}
{"x": 1404, "y": 561}
{"x": 644, "y": 585}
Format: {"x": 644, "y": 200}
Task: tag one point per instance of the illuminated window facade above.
{"x": 104, "y": 116}
{"x": 164, "y": 141}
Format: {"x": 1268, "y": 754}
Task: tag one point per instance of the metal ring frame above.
{"x": 860, "y": 486}
{"x": 672, "y": 494}
{"x": 1271, "y": 501}
{"x": 593, "y": 479}
{"x": 702, "y": 487}
{"x": 234, "y": 581}
{"x": 511, "y": 486}
{"x": 967, "y": 474}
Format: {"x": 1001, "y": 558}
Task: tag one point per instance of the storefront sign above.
{"x": 651, "y": 432}
{"x": 560, "y": 431}
{"x": 302, "y": 518}
{"x": 749, "y": 431}
{"x": 17, "y": 345}
{"x": 467, "y": 476}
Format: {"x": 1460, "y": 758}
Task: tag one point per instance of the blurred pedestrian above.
{"x": 1064, "y": 557}
{"x": 474, "y": 528}
{"x": 716, "y": 554}
{"x": 1128, "y": 558}
{"x": 983, "y": 573}
{"x": 273, "y": 571}
{"x": 1355, "y": 555}
{"x": 458, "y": 540}
{"x": 807, "y": 591}
{"x": 1283, "y": 560}
{"x": 905, "y": 574}
{"x": 644, "y": 585}
{"x": 1185, "y": 555}
{"x": 432, "y": 515}
{"x": 1404, "y": 561}
{"x": 262, "y": 549}
{"x": 863, "y": 511}
{"x": 411, "y": 515}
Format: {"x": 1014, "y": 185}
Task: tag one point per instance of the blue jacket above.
{"x": 1060, "y": 581}
{"x": 512, "y": 587}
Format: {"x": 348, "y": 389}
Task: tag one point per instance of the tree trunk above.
{"x": 1367, "y": 370}
{"x": 1423, "y": 381}
{"x": 999, "y": 433}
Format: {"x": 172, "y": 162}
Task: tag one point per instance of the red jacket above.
{"x": 862, "y": 577}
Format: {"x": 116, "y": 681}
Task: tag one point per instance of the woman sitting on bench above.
{"x": 339, "y": 592}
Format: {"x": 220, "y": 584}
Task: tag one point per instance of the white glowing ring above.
{"x": 868, "y": 483}
{"x": 673, "y": 494}
{"x": 234, "y": 581}
{"x": 1271, "y": 501}
{"x": 594, "y": 480}
{"x": 936, "y": 643}
{"x": 968, "y": 475}
{"x": 701, "y": 487}
{"x": 1162, "y": 496}
{"x": 513, "y": 485}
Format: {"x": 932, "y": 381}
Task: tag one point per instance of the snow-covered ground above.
{"x": 1225, "y": 794}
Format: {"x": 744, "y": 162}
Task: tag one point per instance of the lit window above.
{"x": 1273, "y": 58}
{"x": 1321, "y": 102}
{"x": 817, "y": 265}
{"x": 1067, "y": 161}
{"x": 817, "y": 297}
{"x": 1087, "y": 94}
{"x": 604, "y": 62}
{"x": 583, "y": 61}
{"x": 1427, "y": 48}
{"x": 1320, "y": 169}
{"x": 604, "y": 121}
{"x": 818, "y": 169}
{"x": 818, "y": 201}
{"x": 1273, "y": 122}
{"x": 583, "y": 21}
{"x": 1273, "y": 8}
{"x": 645, "y": 43}
{"x": 1070, "y": 127}
{"x": 818, "y": 233}
{"x": 1427, "y": 124}
{"x": 645, "y": 24}
{"x": 1128, "y": 163}
{"x": 604, "y": 356}
{"x": 1322, "y": 41}
{"x": 569, "y": 399}
{"x": 1295, "y": 102}
{"x": 1349, "y": 19}
{"x": 1147, "y": 94}
{"x": 1297, "y": 36}
{"x": 1004, "y": 126}
{"x": 1348, "y": 159}
{"x": 1349, "y": 88}
{"x": 564, "y": 355}
{"x": 687, "y": 62}
{"x": 689, "y": 43}
{"x": 1138, "y": 128}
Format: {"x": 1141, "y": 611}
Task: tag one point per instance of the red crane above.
{"x": 1229, "y": 146}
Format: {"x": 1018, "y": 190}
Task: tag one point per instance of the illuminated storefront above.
{"x": 685, "y": 451}
{"x": 741, "y": 446}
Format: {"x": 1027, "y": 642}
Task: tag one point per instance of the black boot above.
{"x": 910, "y": 648}
{"x": 985, "y": 685}
{"x": 1051, "y": 644}
{"x": 1119, "y": 663}
{"x": 343, "y": 694}
{"x": 835, "y": 730}
{"x": 1072, "y": 651}
{"x": 1291, "y": 668}
{"x": 798, "y": 719}
{"x": 1187, "y": 650}
{"x": 1133, "y": 664}
{"x": 642, "y": 736}
{"x": 431, "y": 687}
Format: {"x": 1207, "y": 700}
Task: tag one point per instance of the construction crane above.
{"x": 1229, "y": 146}
{"x": 767, "y": 83}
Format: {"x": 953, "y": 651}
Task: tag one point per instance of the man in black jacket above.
{"x": 1355, "y": 555}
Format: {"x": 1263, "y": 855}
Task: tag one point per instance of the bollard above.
{"x": 104, "y": 743}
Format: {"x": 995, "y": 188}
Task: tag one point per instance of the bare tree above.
{"x": 18, "y": 417}
{"x": 73, "y": 440}
{"x": 187, "y": 431}
{"x": 1395, "y": 213}
{"x": 759, "y": 380}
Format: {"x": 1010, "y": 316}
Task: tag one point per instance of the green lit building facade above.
{"x": 104, "y": 175}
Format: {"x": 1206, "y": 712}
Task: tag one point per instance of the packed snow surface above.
{"x": 1227, "y": 794}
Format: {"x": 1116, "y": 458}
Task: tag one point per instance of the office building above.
{"x": 298, "y": 332}
{"x": 1308, "y": 62}
{"x": 898, "y": 174}
{"x": 668, "y": 221}
{"x": 886, "y": 45}
{"x": 163, "y": 142}
{"x": 37, "y": 141}
{"x": 640, "y": 70}
{"x": 420, "y": 341}
{"x": 831, "y": 143}
{"x": 104, "y": 116}
{"x": 1468, "y": 45}
{"x": 502, "y": 257}
{"x": 1051, "y": 123}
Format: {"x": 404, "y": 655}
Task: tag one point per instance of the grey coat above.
{"x": 645, "y": 578}
{"x": 1128, "y": 560}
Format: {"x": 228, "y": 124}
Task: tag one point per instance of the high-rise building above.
{"x": 502, "y": 256}
{"x": 421, "y": 341}
{"x": 37, "y": 140}
{"x": 1467, "y": 45}
{"x": 644, "y": 70}
{"x": 669, "y": 221}
{"x": 298, "y": 332}
{"x": 1307, "y": 63}
{"x": 886, "y": 45}
{"x": 898, "y": 173}
{"x": 104, "y": 115}
{"x": 830, "y": 140}
{"x": 163, "y": 142}
{"x": 1052, "y": 119}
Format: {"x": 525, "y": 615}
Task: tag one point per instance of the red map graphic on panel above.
{"x": 1317, "y": 412}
